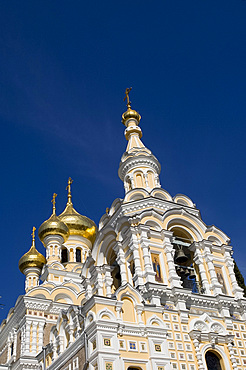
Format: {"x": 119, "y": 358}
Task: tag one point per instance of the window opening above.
{"x": 78, "y": 255}
{"x": 64, "y": 255}
{"x": 213, "y": 361}
{"x": 185, "y": 266}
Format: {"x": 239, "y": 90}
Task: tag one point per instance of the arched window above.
{"x": 134, "y": 368}
{"x": 139, "y": 180}
{"x": 213, "y": 361}
{"x": 64, "y": 255}
{"x": 151, "y": 181}
{"x": 78, "y": 255}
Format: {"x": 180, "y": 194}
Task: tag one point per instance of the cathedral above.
{"x": 152, "y": 287}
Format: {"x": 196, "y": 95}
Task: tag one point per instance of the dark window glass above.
{"x": 78, "y": 255}
{"x": 64, "y": 256}
{"x": 213, "y": 361}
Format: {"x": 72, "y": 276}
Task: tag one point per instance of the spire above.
{"x": 54, "y": 203}
{"x": 139, "y": 168}
{"x": 69, "y": 193}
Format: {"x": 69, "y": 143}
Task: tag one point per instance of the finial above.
{"x": 107, "y": 210}
{"x": 130, "y": 113}
{"x": 69, "y": 193}
{"x": 127, "y": 97}
{"x": 54, "y": 203}
{"x": 33, "y": 236}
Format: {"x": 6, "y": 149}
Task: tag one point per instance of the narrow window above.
{"x": 78, "y": 255}
{"x": 64, "y": 256}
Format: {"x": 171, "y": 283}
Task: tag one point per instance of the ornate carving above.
{"x": 216, "y": 328}
{"x": 199, "y": 326}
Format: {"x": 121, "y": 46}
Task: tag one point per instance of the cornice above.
{"x": 150, "y": 202}
{"x": 138, "y": 161}
{"x": 97, "y": 300}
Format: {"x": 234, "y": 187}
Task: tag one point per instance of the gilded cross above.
{"x": 127, "y": 96}
{"x": 33, "y": 233}
{"x": 69, "y": 194}
{"x": 69, "y": 183}
{"x": 54, "y": 202}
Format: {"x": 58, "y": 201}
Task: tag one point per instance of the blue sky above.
{"x": 64, "y": 67}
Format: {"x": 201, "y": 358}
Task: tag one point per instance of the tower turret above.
{"x": 139, "y": 168}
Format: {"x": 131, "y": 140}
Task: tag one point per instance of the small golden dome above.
{"x": 130, "y": 113}
{"x": 32, "y": 258}
{"x": 76, "y": 223}
{"x": 53, "y": 226}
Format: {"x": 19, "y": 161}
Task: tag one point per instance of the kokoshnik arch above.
{"x": 152, "y": 288}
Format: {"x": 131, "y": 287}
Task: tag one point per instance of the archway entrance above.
{"x": 134, "y": 368}
{"x": 213, "y": 361}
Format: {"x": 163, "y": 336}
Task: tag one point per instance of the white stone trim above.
{"x": 216, "y": 347}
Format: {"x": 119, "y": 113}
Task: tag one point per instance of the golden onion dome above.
{"x": 76, "y": 223}
{"x": 32, "y": 258}
{"x": 130, "y": 113}
{"x": 53, "y": 226}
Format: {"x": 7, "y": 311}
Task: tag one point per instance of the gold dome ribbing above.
{"x": 53, "y": 226}
{"x": 32, "y": 258}
{"x": 76, "y": 223}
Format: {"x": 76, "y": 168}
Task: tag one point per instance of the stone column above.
{"x": 198, "y": 353}
{"x": 34, "y": 337}
{"x": 96, "y": 274}
{"x": 132, "y": 181}
{"x": 145, "y": 175}
{"x": 232, "y": 357}
{"x": 27, "y": 339}
{"x": 9, "y": 348}
{"x": 23, "y": 340}
{"x": 139, "y": 310}
{"x": 173, "y": 277}
{"x": 199, "y": 262}
{"x": 149, "y": 273}
{"x": 88, "y": 288}
{"x": 122, "y": 263}
{"x": 137, "y": 278}
{"x": 236, "y": 290}
{"x": 40, "y": 336}
{"x": 70, "y": 332}
{"x": 118, "y": 307}
{"x": 55, "y": 354}
{"x": 157, "y": 180}
{"x": 108, "y": 281}
{"x": 215, "y": 285}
